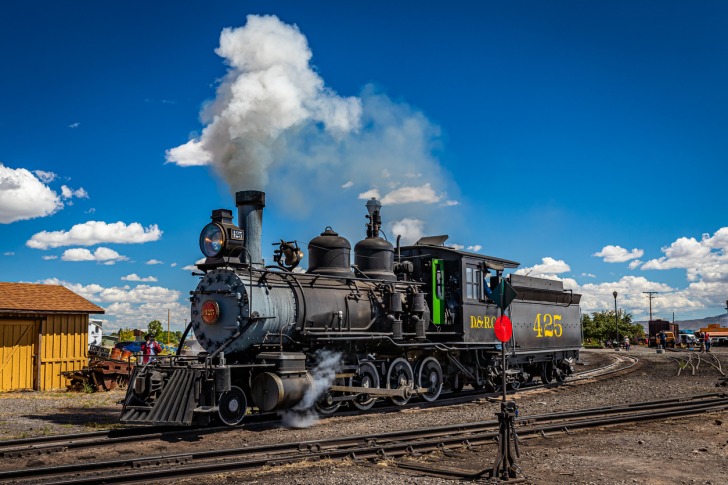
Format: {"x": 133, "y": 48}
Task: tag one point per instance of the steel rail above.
{"x": 61, "y": 443}
{"x": 448, "y": 436}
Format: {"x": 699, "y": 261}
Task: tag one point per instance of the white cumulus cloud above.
{"x": 96, "y": 232}
{"x": 154, "y": 261}
{"x": 548, "y": 266}
{"x": 45, "y": 177}
{"x": 103, "y": 255}
{"x": 128, "y": 307}
{"x": 369, "y": 194}
{"x": 192, "y": 267}
{"x": 68, "y": 193}
{"x": 25, "y": 196}
{"x": 617, "y": 254}
{"x": 136, "y": 277}
{"x": 706, "y": 259}
{"x": 404, "y": 195}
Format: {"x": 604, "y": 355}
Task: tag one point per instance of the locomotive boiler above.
{"x": 399, "y": 323}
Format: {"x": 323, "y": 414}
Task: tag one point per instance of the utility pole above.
{"x": 650, "y": 295}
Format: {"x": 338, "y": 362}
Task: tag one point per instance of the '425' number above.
{"x": 547, "y": 325}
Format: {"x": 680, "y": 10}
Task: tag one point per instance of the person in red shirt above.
{"x": 150, "y": 348}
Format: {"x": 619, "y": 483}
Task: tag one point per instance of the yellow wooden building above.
{"x": 43, "y": 332}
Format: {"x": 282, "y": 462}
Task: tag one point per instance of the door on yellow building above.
{"x": 17, "y": 354}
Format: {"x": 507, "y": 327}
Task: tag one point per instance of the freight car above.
{"x": 400, "y": 323}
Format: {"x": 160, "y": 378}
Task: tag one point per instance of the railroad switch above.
{"x": 505, "y": 466}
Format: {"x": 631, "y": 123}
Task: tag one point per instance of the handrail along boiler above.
{"x": 399, "y": 323}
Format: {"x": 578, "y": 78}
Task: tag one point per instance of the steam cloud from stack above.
{"x": 275, "y": 126}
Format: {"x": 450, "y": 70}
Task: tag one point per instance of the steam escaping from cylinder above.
{"x": 303, "y": 414}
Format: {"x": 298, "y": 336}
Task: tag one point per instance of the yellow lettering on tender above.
{"x": 551, "y": 326}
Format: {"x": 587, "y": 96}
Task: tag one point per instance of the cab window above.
{"x": 473, "y": 282}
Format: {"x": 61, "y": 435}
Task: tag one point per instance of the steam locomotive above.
{"x": 400, "y": 323}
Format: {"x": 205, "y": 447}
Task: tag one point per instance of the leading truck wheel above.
{"x": 232, "y": 406}
{"x": 326, "y": 403}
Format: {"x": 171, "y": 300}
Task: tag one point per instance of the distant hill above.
{"x": 695, "y": 324}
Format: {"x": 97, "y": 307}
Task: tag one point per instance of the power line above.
{"x": 650, "y": 295}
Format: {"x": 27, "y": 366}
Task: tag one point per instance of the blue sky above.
{"x": 585, "y": 140}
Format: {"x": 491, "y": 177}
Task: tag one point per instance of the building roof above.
{"x": 30, "y": 297}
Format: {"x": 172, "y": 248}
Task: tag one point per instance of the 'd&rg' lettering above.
{"x": 481, "y": 321}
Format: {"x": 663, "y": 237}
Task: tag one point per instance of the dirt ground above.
{"x": 677, "y": 451}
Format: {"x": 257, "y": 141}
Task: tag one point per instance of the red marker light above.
{"x": 503, "y": 328}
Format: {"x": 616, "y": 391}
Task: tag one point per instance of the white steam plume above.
{"x": 274, "y": 125}
{"x": 268, "y": 89}
{"x": 303, "y": 414}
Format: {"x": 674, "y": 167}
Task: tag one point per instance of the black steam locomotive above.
{"x": 399, "y": 323}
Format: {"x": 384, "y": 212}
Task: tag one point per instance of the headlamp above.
{"x": 221, "y": 238}
{"x": 212, "y": 240}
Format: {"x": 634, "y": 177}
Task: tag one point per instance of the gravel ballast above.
{"x": 683, "y": 450}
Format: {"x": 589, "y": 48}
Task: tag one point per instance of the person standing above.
{"x": 707, "y": 342}
{"x": 626, "y": 343}
{"x": 663, "y": 338}
{"x": 150, "y": 348}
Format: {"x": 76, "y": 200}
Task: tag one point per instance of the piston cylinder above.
{"x": 271, "y": 391}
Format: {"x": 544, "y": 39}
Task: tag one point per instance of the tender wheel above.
{"x": 399, "y": 376}
{"x": 429, "y": 375}
{"x": 232, "y": 406}
{"x": 366, "y": 376}
{"x": 559, "y": 374}
{"x": 547, "y": 372}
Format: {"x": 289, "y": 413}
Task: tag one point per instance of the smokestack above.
{"x": 250, "y": 205}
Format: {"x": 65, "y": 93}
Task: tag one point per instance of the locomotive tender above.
{"x": 399, "y": 323}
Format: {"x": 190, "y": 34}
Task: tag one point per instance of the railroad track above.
{"x": 396, "y": 445}
{"x": 46, "y": 445}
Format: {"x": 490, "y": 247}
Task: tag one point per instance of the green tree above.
{"x": 174, "y": 337}
{"x": 156, "y": 329}
{"x": 126, "y": 334}
{"x": 600, "y": 326}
